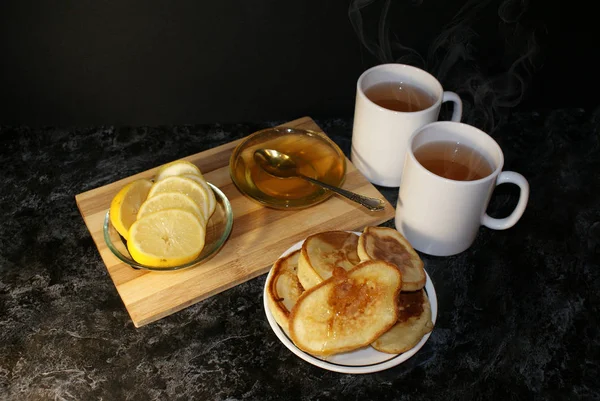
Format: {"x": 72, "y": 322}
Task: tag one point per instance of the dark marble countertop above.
{"x": 518, "y": 311}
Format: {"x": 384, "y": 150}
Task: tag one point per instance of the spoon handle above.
{"x": 373, "y": 204}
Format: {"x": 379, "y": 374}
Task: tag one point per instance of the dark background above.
{"x": 155, "y": 62}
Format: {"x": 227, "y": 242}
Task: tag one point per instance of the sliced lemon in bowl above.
{"x": 185, "y": 186}
{"x": 170, "y": 200}
{"x": 178, "y": 167}
{"x": 212, "y": 200}
{"x": 166, "y": 238}
{"x": 126, "y": 203}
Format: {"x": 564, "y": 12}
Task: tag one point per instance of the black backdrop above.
{"x": 178, "y": 62}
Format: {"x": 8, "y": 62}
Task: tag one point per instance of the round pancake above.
{"x": 414, "y": 321}
{"x": 284, "y": 288}
{"x": 322, "y": 252}
{"x": 347, "y": 311}
{"x": 388, "y": 244}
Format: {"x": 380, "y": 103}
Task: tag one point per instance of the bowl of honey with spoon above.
{"x": 314, "y": 153}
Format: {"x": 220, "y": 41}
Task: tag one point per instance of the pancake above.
{"x": 414, "y": 321}
{"x": 322, "y": 252}
{"x": 388, "y": 244}
{"x": 347, "y": 311}
{"x": 284, "y": 288}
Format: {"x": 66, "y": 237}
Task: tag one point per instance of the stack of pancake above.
{"x": 341, "y": 292}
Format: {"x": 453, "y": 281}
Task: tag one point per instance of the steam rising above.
{"x": 489, "y": 73}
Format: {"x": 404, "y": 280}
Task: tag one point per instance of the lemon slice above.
{"x": 166, "y": 238}
{"x": 126, "y": 203}
{"x": 212, "y": 201}
{"x": 178, "y": 167}
{"x": 170, "y": 200}
{"x": 185, "y": 186}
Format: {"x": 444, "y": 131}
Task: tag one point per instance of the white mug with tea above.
{"x": 392, "y": 101}
{"x": 450, "y": 172}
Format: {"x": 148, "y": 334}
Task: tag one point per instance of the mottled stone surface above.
{"x": 518, "y": 312}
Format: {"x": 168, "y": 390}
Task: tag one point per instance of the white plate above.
{"x": 366, "y": 360}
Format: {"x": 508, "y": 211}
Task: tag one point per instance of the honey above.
{"x": 348, "y": 301}
{"x": 314, "y": 156}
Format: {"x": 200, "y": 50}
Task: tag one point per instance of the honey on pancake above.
{"x": 348, "y": 298}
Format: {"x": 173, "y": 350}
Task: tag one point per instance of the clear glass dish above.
{"x": 218, "y": 229}
{"x": 315, "y": 154}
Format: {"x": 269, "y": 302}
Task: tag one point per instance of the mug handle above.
{"x": 448, "y": 96}
{"x": 507, "y": 222}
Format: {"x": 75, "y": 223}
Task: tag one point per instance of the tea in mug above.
{"x": 398, "y": 96}
{"x": 454, "y": 161}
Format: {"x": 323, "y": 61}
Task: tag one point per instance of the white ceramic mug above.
{"x": 380, "y": 135}
{"x": 441, "y": 217}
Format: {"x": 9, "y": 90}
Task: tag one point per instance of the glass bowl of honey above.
{"x": 315, "y": 154}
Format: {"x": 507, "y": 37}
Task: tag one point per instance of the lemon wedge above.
{"x": 178, "y": 167}
{"x": 212, "y": 201}
{"x": 170, "y": 200}
{"x": 166, "y": 238}
{"x": 126, "y": 203}
{"x": 185, "y": 186}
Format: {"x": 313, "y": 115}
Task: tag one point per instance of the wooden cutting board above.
{"x": 259, "y": 236}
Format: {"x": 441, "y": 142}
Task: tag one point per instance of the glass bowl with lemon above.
{"x": 175, "y": 221}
